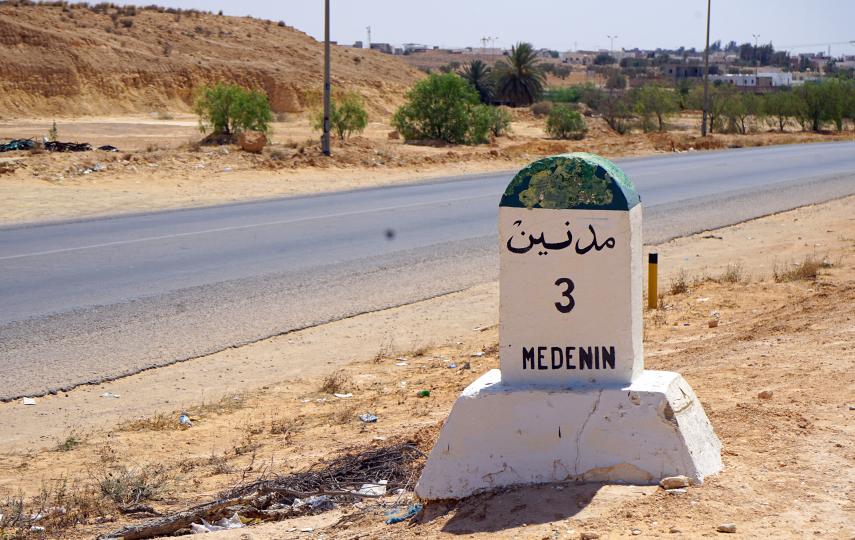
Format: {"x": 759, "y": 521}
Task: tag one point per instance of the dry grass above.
{"x": 679, "y": 283}
{"x": 336, "y": 383}
{"x": 169, "y": 421}
{"x": 734, "y": 273}
{"x": 805, "y": 270}
{"x": 58, "y": 506}
{"x": 72, "y": 441}
{"x": 132, "y": 485}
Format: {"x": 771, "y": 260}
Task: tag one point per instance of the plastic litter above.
{"x": 343, "y": 396}
{"x": 184, "y": 420}
{"x": 315, "y": 502}
{"x": 17, "y": 144}
{"x": 411, "y": 511}
{"x": 224, "y": 524}
{"x": 57, "y": 146}
{"x": 478, "y": 354}
{"x": 452, "y": 365}
{"x": 368, "y": 418}
{"x": 28, "y": 401}
{"x": 377, "y": 489}
{"x": 111, "y": 395}
{"x": 401, "y": 364}
{"x": 424, "y": 393}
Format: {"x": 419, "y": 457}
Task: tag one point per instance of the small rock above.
{"x": 674, "y": 482}
{"x": 713, "y": 323}
{"x": 635, "y": 532}
{"x": 393, "y": 135}
{"x": 674, "y": 530}
{"x": 765, "y": 394}
{"x": 252, "y": 141}
{"x": 726, "y": 528}
{"x": 676, "y": 491}
{"x": 589, "y": 536}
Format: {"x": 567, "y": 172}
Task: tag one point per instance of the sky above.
{"x": 562, "y": 24}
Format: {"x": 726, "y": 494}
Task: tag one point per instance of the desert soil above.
{"x": 160, "y": 165}
{"x": 261, "y": 409}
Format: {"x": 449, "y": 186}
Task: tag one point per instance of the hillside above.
{"x": 61, "y": 60}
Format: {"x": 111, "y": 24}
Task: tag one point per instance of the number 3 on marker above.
{"x": 568, "y": 307}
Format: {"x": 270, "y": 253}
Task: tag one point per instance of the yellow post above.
{"x": 652, "y": 281}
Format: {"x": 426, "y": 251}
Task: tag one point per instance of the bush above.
{"x": 570, "y": 94}
{"x": 347, "y": 116}
{"x": 443, "y": 107}
{"x": 500, "y": 121}
{"x": 541, "y": 108}
{"x": 228, "y": 109}
{"x": 565, "y": 123}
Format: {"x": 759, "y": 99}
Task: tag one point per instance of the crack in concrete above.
{"x": 582, "y": 430}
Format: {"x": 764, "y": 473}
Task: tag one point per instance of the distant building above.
{"x": 577, "y": 58}
{"x": 357, "y": 44}
{"x": 680, "y": 72}
{"x": 738, "y": 81}
{"x": 382, "y": 47}
{"x": 415, "y": 48}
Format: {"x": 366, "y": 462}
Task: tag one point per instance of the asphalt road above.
{"x": 91, "y": 300}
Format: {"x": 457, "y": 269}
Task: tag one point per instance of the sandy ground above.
{"x": 260, "y": 408}
{"x": 160, "y": 166}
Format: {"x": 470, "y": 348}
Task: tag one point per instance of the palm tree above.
{"x": 479, "y": 76}
{"x": 521, "y": 77}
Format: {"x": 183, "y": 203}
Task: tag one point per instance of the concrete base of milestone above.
{"x": 499, "y": 435}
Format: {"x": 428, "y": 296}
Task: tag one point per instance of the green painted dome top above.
{"x": 579, "y": 181}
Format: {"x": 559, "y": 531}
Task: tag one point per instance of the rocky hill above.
{"x": 59, "y": 59}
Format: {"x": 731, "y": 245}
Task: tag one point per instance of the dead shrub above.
{"x": 734, "y": 273}
{"x": 336, "y": 383}
{"x": 131, "y": 485}
{"x": 805, "y": 270}
{"x": 679, "y": 283}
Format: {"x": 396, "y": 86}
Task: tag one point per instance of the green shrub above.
{"x": 228, "y": 109}
{"x": 443, "y": 107}
{"x": 570, "y": 94}
{"x": 500, "y": 121}
{"x": 347, "y": 116}
{"x": 565, "y": 123}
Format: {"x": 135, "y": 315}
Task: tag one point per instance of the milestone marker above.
{"x": 572, "y": 400}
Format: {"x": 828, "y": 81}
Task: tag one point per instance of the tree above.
{"x": 616, "y": 81}
{"x": 836, "y": 93}
{"x": 718, "y": 97}
{"x": 443, "y": 107}
{"x": 564, "y": 122}
{"x": 228, "y": 109}
{"x": 53, "y": 132}
{"x": 654, "y": 101}
{"x": 520, "y": 76}
{"x": 479, "y": 76}
{"x": 812, "y": 110}
{"x": 604, "y": 59}
{"x": 347, "y": 116}
{"x": 779, "y": 108}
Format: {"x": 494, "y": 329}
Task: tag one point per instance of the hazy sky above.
{"x": 562, "y": 24}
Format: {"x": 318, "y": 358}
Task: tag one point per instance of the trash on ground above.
{"x": 478, "y": 353}
{"x": 368, "y": 418}
{"x": 452, "y": 365}
{"x": 108, "y": 148}
{"x": 224, "y": 524}
{"x": 424, "y": 393}
{"x": 343, "y": 396}
{"x": 28, "y": 401}
{"x": 401, "y": 364}
{"x": 17, "y": 144}
{"x": 111, "y": 395}
{"x": 394, "y": 517}
{"x": 57, "y": 146}
{"x": 374, "y": 490}
{"x": 466, "y": 365}
{"x": 184, "y": 420}
{"x": 314, "y": 503}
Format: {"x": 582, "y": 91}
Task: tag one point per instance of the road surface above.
{"x": 91, "y": 300}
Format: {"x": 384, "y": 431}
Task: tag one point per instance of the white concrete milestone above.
{"x": 572, "y": 400}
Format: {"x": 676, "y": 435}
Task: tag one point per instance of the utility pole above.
{"x": 706, "y": 75}
{"x": 368, "y": 28}
{"x": 756, "y": 37}
{"x": 612, "y": 46}
{"x": 325, "y": 138}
